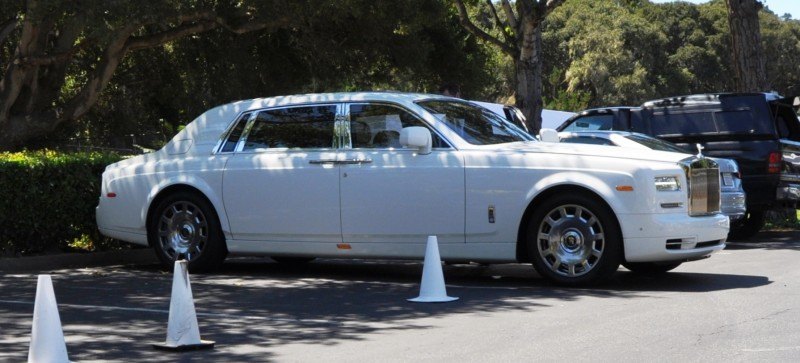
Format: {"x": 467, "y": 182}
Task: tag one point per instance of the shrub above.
{"x": 47, "y": 199}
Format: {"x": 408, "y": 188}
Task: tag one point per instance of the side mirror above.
{"x": 416, "y": 137}
{"x": 549, "y": 135}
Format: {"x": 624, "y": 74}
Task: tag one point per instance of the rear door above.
{"x": 282, "y": 182}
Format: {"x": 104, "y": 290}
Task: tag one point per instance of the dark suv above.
{"x": 759, "y": 130}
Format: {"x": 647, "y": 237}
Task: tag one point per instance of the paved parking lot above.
{"x": 742, "y": 304}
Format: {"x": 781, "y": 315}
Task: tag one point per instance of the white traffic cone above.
{"x": 47, "y": 338}
{"x": 182, "y": 330}
{"x": 432, "y": 288}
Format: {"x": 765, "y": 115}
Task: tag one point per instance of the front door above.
{"x": 394, "y": 195}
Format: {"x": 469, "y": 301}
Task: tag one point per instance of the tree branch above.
{"x": 512, "y": 19}
{"x": 88, "y": 95}
{"x": 47, "y": 60}
{"x": 153, "y": 40}
{"x": 474, "y": 30}
{"x": 503, "y": 30}
{"x": 545, "y": 8}
{"x": 198, "y": 23}
{"x": 7, "y": 27}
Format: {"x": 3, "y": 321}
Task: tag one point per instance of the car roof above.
{"x": 205, "y": 130}
{"x": 298, "y": 99}
{"x": 701, "y": 98}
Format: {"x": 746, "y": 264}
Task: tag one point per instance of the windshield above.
{"x": 475, "y": 124}
{"x": 656, "y": 144}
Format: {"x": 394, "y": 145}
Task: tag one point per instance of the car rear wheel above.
{"x": 651, "y": 268}
{"x": 574, "y": 240}
{"x": 184, "y": 226}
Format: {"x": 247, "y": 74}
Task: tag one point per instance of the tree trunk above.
{"x": 529, "y": 78}
{"x": 748, "y": 56}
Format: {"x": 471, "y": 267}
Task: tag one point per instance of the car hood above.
{"x": 592, "y": 150}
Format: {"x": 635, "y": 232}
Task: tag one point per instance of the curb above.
{"x": 78, "y": 260}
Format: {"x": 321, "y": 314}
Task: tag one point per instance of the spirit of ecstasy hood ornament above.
{"x": 700, "y": 150}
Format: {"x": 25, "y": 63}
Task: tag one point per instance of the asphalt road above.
{"x": 743, "y": 304}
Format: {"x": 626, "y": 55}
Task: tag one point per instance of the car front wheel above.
{"x": 184, "y": 226}
{"x": 574, "y": 240}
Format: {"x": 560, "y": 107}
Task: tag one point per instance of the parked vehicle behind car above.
{"x": 372, "y": 174}
{"x": 760, "y": 131}
{"x": 732, "y": 201}
{"x": 550, "y": 118}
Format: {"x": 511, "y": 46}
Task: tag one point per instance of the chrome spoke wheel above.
{"x": 570, "y": 240}
{"x": 182, "y": 231}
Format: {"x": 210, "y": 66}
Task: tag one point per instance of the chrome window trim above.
{"x": 227, "y": 133}
{"x": 245, "y": 132}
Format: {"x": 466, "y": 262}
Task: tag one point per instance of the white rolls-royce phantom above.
{"x": 371, "y": 175}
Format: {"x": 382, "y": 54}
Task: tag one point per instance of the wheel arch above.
{"x": 522, "y": 253}
{"x": 171, "y": 189}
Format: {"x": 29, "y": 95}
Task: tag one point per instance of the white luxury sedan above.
{"x": 371, "y": 175}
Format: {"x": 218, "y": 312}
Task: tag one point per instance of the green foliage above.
{"x": 783, "y": 219}
{"x": 626, "y": 52}
{"x": 47, "y": 200}
{"x": 348, "y": 45}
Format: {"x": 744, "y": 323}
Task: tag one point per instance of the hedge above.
{"x": 47, "y": 199}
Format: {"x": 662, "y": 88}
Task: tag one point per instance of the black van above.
{"x": 760, "y": 131}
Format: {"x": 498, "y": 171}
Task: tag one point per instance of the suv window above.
{"x": 378, "y": 126}
{"x": 294, "y": 127}
{"x": 739, "y": 121}
{"x": 591, "y": 122}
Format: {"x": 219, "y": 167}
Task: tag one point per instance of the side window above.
{"x": 665, "y": 123}
{"x": 295, "y": 127}
{"x": 591, "y": 122}
{"x": 740, "y": 122}
{"x": 378, "y": 126}
{"x": 236, "y": 133}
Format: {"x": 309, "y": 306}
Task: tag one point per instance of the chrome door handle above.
{"x": 354, "y": 161}
{"x": 323, "y": 161}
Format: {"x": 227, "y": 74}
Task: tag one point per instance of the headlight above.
{"x": 667, "y": 184}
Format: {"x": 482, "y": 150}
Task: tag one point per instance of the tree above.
{"x": 748, "y": 56}
{"x": 518, "y": 34}
{"x": 66, "y": 52}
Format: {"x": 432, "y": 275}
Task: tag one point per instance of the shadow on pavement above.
{"x": 772, "y": 240}
{"x": 252, "y": 305}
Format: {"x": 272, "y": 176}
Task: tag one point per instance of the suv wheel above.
{"x": 748, "y": 226}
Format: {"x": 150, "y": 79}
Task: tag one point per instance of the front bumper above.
{"x": 672, "y": 237}
{"x": 733, "y": 204}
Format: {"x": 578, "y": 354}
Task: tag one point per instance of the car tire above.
{"x": 650, "y": 268}
{"x": 747, "y": 227}
{"x": 184, "y": 225}
{"x": 292, "y": 260}
{"x": 574, "y": 240}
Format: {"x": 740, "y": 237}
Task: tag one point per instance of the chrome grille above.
{"x": 704, "y": 186}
